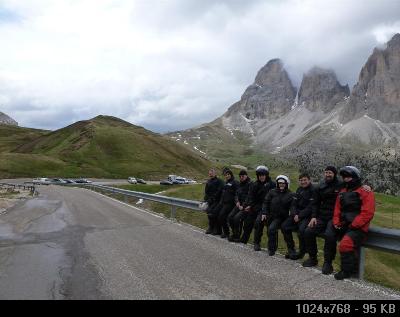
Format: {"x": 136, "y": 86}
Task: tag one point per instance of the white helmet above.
{"x": 262, "y": 170}
{"x": 285, "y": 178}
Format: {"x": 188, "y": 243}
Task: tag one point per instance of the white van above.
{"x": 172, "y": 178}
{"x": 132, "y": 180}
{"x": 41, "y": 181}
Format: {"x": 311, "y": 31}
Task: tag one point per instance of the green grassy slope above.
{"x": 230, "y": 147}
{"x": 102, "y": 147}
{"x": 12, "y": 136}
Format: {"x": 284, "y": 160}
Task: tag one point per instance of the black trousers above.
{"x": 248, "y": 219}
{"x": 212, "y": 213}
{"x": 273, "y": 226}
{"x": 325, "y": 228}
{"x": 223, "y": 214}
{"x": 236, "y": 226}
{"x": 288, "y": 226}
{"x": 350, "y": 242}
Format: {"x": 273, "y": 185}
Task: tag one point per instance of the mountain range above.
{"x": 322, "y": 122}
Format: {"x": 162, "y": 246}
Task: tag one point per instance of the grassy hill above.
{"x": 105, "y": 147}
{"x": 13, "y": 136}
{"x": 229, "y": 147}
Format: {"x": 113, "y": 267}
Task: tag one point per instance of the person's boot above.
{"x": 231, "y": 238}
{"x": 348, "y": 265}
{"x": 211, "y": 225}
{"x": 236, "y": 239}
{"x": 327, "y": 268}
{"x": 298, "y": 256}
{"x": 271, "y": 252}
{"x": 225, "y": 233}
{"x": 291, "y": 253}
{"x": 217, "y": 231}
{"x": 257, "y": 247}
{"x": 244, "y": 239}
{"x": 310, "y": 262}
{"x": 342, "y": 275}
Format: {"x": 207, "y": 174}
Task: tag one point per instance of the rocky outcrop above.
{"x": 4, "y": 119}
{"x": 377, "y": 93}
{"x": 320, "y": 90}
{"x": 324, "y": 112}
{"x": 270, "y": 96}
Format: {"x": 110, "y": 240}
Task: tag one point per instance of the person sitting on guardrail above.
{"x": 354, "y": 210}
{"x": 227, "y": 202}
{"x": 212, "y": 195}
{"x": 302, "y": 208}
{"x": 240, "y": 199}
{"x": 275, "y": 211}
{"x": 321, "y": 221}
{"x": 253, "y": 205}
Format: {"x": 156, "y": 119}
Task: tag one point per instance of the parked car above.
{"x": 132, "y": 180}
{"x": 69, "y": 181}
{"x": 82, "y": 181}
{"x": 166, "y": 182}
{"x": 180, "y": 180}
{"x": 191, "y": 181}
{"x": 141, "y": 181}
{"x": 41, "y": 181}
{"x": 57, "y": 181}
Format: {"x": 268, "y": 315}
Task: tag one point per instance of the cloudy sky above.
{"x": 171, "y": 64}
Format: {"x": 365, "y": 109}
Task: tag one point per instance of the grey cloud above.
{"x": 201, "y": 55}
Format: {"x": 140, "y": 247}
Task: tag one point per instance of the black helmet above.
{"x": 350, "y": 171}
{"x": 262, "y": 170}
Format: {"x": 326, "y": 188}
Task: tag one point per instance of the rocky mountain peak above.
{"x": 321, "y": 90}
{"x": 394, "y": 42}
{"x": 377, "y": 93}
{"x": 273, "y": 72}
{"x": 4, "y": 119}
{"x": 270, "y": 96}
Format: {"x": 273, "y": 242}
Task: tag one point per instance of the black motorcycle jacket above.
{"x": 304, "y": 202}
{"x": 277, "y": 204}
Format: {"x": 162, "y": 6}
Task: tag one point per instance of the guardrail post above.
{"x": 173, "y": 212}
{"x": 361, "y": 263}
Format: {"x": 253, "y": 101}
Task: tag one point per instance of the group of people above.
{"x": 337, "y": 210}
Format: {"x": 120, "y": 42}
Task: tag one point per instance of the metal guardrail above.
{"x": 173, "y": 202}
{"x": 387, "y": 240}
{"x": 382, "y": 239}
{"x": 23, "y": 186}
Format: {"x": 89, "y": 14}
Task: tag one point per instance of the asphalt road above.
{"x": 75, "y": 244}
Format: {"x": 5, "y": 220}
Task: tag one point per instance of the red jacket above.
{"x": 365, "y": 215}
